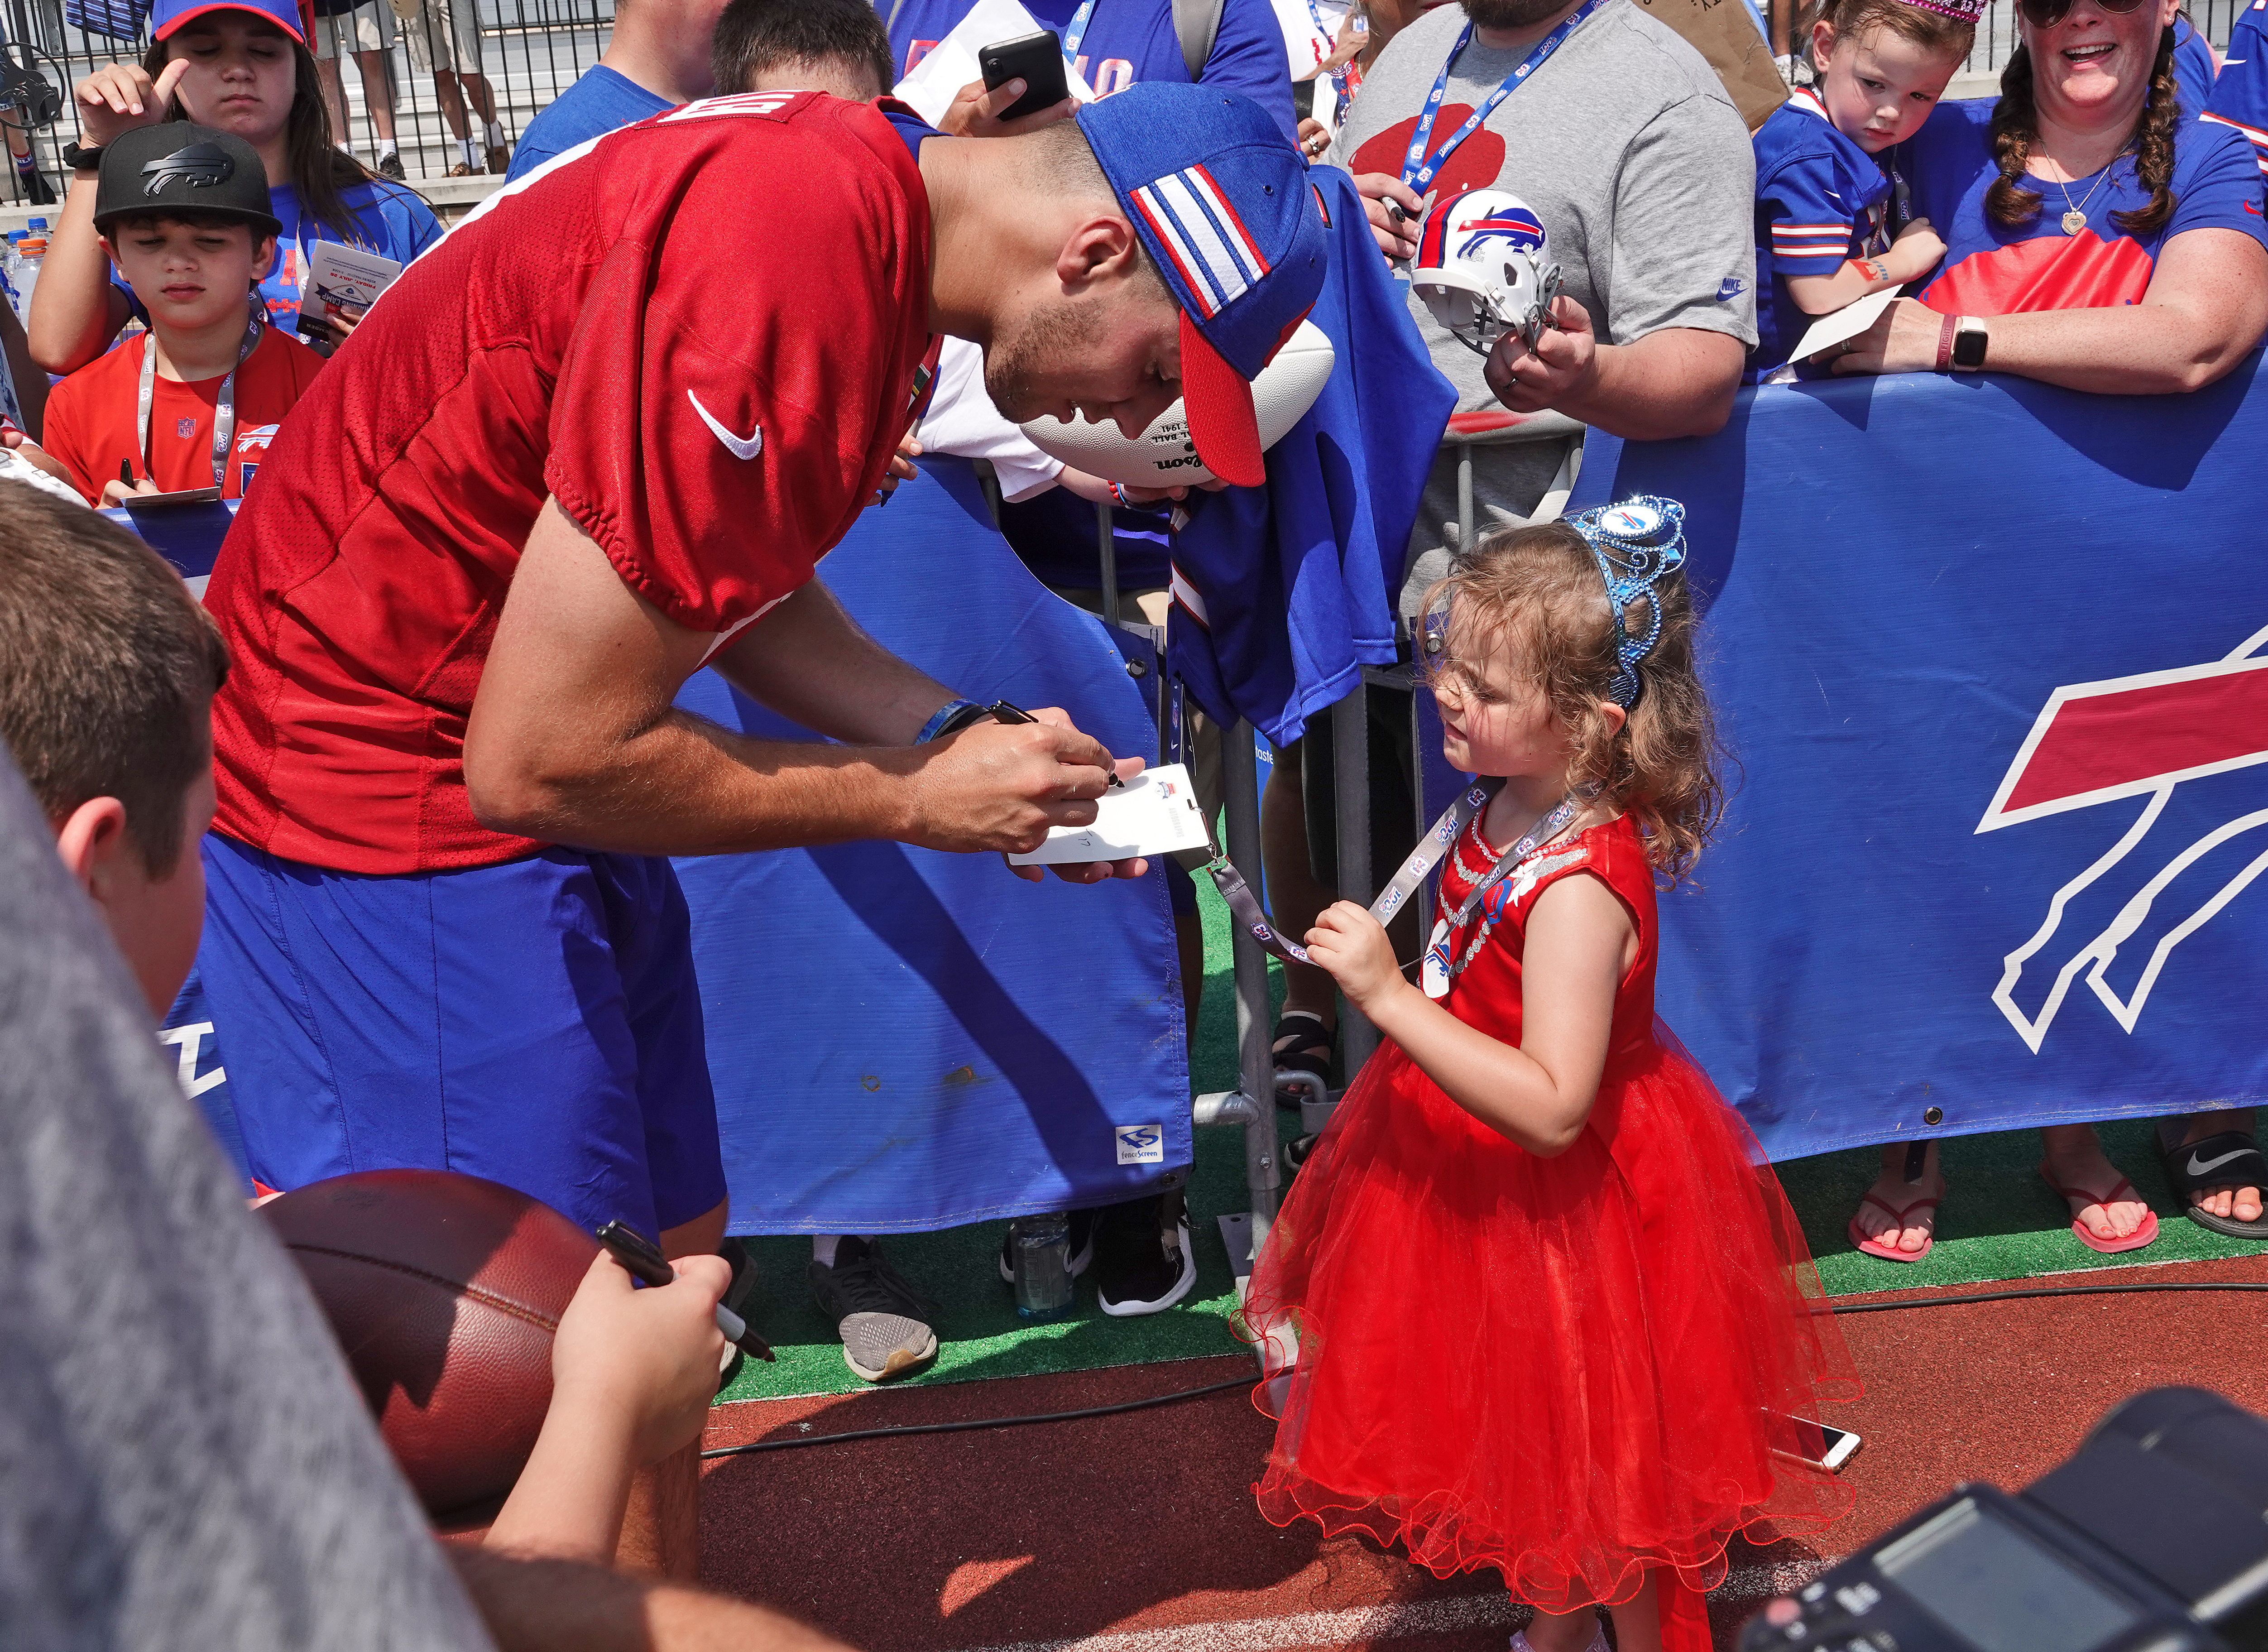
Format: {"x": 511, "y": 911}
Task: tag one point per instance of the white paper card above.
{"x": 952, "y": 62}
{"x": 348, "y": 275}
{"x": 1153, "y": 814}
{"x": 1833, "y": 328}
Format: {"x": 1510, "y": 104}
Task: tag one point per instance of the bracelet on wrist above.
{"x": 949, "y": 719}
{"x": 1945, "y": 343}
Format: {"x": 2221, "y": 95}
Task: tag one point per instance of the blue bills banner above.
{"x": 1993, "y": 662}
{"x": 903, "y": 1040}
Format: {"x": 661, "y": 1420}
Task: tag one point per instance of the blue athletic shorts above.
{"x": 537, "y": 1023}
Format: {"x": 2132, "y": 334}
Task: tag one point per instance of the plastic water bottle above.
{"x": 10, "y": 272}
{"x": 29, "y": 250}
{"x": 1040, "y": 1247}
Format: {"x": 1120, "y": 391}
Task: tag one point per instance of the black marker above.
{"x": 649, "y": 1266}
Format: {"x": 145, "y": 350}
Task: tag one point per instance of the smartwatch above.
{"x": 1968, "y": 340}
{"x": 82, "y": 159}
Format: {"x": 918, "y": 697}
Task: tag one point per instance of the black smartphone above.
{"x": 1037, "y": 60}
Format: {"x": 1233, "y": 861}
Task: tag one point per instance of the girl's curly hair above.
{"x": 1535, "y": 597}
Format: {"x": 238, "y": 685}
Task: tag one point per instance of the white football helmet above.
{"x": 1481, "y": 269}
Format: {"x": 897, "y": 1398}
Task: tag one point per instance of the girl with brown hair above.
{"x": 2097, "y": 236}
{"x": 1553, "y": 1313}
{"x": 241, "y": 67}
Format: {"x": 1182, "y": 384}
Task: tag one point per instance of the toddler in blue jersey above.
{"x": 1827, "y": 229}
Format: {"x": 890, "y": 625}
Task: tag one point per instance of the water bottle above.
{"x": 1041, "y": 1246}
{"x": 11, "y": 273}
{"x": 29, "y": 250}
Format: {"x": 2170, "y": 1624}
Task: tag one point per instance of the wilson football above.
{"x": 442, "y": 1291}
{"x": 1163, "y": 456}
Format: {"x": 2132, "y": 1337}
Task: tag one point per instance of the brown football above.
{"x": 442, "y": 1291}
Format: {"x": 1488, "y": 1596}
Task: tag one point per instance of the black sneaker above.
{"x": 1143, "y": 1261}
{"x": 36, "y": 188}
{"x": 884, "y": 1321}
{"x": 390, "y": 167}
{"x": 1082, "y": 1246}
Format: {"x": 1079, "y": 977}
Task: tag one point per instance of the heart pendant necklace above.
{"x": 2074, "y": 216}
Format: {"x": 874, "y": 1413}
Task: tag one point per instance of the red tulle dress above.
{"x": 1570, "y": 1368}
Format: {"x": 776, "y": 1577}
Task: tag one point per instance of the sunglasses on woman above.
{"x": 2045, "y": 14}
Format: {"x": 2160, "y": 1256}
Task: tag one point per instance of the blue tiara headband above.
{"x": 1639, "y": 544}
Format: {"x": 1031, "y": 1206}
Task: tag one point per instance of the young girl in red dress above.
{"x": 1553, "y": 1313}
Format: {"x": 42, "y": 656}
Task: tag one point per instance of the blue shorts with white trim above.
{"x": 537, "y": 1023}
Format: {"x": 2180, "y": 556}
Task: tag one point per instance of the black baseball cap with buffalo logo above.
{"x": 176, "y": 168}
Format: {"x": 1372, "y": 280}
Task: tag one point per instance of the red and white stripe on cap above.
{"x": 1215, "y": 254}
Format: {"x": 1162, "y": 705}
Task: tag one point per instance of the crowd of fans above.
{"x": 2086, "y": 229}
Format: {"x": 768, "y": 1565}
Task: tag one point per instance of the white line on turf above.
{"x": 1357, "y": 1625}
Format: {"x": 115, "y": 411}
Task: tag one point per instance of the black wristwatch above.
{"x": 80, "y": 159}
{"x": 1968, "y": 342}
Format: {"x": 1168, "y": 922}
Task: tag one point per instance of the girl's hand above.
{"x": 1903, "y": 339}
{"x": 116, "y": 492}
{"x": 119, "y": 97}
{"x": 1353, "y": 945}
{"x": 646, "y": 1360}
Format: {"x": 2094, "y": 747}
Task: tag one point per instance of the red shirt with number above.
{"x": 91, "y": 416}
{"x": 699, "y": 335}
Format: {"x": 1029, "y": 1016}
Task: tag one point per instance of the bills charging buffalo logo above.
{"x": 200, "y": 164}
{"x": 1514, "y": 224}
{"x": 2127, "y": 737}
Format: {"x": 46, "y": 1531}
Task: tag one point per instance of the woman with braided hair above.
{"x": 2097, "y": 235}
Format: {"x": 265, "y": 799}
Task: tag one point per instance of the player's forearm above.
{"x": 684, "y": 786}
{"x": 1676, "y": 382}
{"x": 545, "y": 1605}
{"x": 808, "y": 660}
{"x": 2134, "y": 349}
{"x": 1504, "y": 1086}
{"x": 71, "y": 321}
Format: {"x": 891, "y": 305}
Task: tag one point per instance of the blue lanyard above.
{"x": 1077, "y": 33}
{"x": 1416, "y": 170}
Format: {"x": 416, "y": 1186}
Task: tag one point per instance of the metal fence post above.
{"x": 1350, "y": 800}
{"x": 1106, "y": 546}
{"x": 1263, "y": 1176}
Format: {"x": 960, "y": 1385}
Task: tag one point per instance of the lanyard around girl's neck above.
{"x": 1073, "y": 36}
{"x": 1417, "y": 168}
{"x": 1245, "y": 907}
{"x": 223, "y": 404}
{"x": 1441, "y": 963}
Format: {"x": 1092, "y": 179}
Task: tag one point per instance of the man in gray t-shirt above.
{"x": 1627, "y": 146}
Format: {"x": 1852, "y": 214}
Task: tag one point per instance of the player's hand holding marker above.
{"x": 1558, "y": 370}
{"x": 1001, "y": 786}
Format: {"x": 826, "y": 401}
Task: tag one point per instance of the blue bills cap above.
{"x": 1221, "y": 201}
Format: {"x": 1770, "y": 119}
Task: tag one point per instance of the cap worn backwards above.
{"x": 174, "y": 166}
{"x": 1638, "y": 545}
{"x": 167, "y": 16}
{"x": 1221, "y": 202}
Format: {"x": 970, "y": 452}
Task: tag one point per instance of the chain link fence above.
{"x": 381, "y": 76}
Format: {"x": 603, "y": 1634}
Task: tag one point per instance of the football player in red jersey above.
{"x": 598, "y": 439}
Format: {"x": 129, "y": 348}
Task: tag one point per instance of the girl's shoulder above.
{"x": 1612, "y": 852}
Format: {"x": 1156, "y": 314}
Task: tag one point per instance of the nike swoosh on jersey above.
{"x": 2202, "y": 1167}
{"x": 739, "y": 446}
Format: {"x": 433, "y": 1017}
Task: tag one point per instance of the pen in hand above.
{"x": 649, "y": 1266}
{"x": 1004, "y": 712}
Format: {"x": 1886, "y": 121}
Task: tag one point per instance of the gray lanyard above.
{"x": 224, "y": 405}
{"x": 1245, "y": 907}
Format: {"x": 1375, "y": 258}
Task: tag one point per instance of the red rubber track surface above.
{"x": 1027, "y": 1538}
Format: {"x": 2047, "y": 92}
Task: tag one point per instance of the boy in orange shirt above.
{"x": 183, "y": 212}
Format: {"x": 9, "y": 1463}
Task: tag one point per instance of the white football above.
{"x": 1163, "y": 456}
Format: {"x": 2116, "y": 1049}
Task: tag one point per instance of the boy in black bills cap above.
{"x": 183, "y": 213}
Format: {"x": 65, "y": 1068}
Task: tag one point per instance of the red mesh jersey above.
{"x": 699, "y": 336}
{"x": 1564, "y": 1368}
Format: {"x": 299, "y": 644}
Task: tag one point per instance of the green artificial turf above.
{"x": 1999, "y": 1222}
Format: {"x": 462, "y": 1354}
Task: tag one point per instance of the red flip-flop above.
{"x": 2146, "y": 1233}
{"x": 1897, "y": 1214}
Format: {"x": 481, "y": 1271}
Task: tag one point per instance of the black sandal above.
{"x": 1309, "y": 1052}
{"x": 2230, "y": 1160}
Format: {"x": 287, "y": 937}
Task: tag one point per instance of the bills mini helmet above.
{"x": 1481, "y": 268}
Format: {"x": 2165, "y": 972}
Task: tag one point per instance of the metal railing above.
{"x": 529, "y": 51}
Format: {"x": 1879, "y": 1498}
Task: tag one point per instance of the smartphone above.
{"x": 1839, "y": 1446}
{"x": 1037, "y": 60}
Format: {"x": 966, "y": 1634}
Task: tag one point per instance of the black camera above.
{"x": 2153, "y": 1538}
